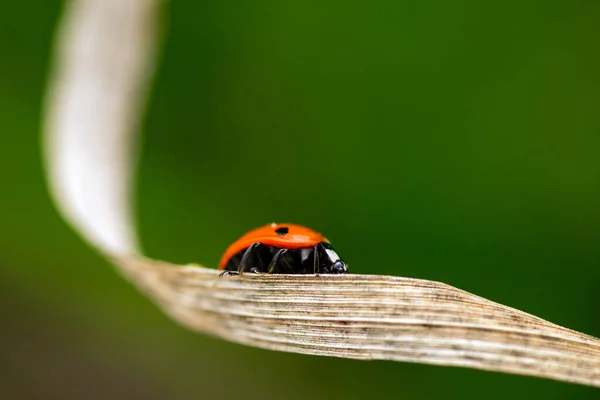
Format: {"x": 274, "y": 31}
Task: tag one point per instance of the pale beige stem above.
{"x": 105, "y": 51}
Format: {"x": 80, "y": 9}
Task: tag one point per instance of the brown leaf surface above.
{"x": 368, "y": 317}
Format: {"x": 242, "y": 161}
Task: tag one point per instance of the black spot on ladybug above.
{"x": 282, "y": 231}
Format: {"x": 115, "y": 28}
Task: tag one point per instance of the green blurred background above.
{"x": 453, "y": 141}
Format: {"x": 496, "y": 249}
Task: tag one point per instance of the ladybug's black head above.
{"x": 339, "y": 267}
{"x": 332, "y": 263}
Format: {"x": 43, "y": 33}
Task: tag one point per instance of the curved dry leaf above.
{"x": 352, "y": 316}
{"x": 368, "y": 317}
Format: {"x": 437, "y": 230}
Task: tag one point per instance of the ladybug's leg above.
{"x": 286, "y": 263}
{"x": 243, "y": 266}
{"x": 316, "y": 258}
{"x": 273, "y": 263}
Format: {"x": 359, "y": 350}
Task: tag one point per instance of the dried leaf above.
{"x": 92, "y": 112}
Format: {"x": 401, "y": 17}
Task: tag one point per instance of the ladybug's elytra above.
{"x": 282, "y": 249}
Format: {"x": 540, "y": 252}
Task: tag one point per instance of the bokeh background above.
{"x": 453, "y": 141}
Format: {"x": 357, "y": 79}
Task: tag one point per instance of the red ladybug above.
{"x": 282, "y": 249}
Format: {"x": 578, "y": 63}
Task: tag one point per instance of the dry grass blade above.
{"x": 105, "y": 52}
{"x": 369, "y": 317}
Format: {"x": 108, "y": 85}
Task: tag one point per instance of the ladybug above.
{"x": 282, "y": 249}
